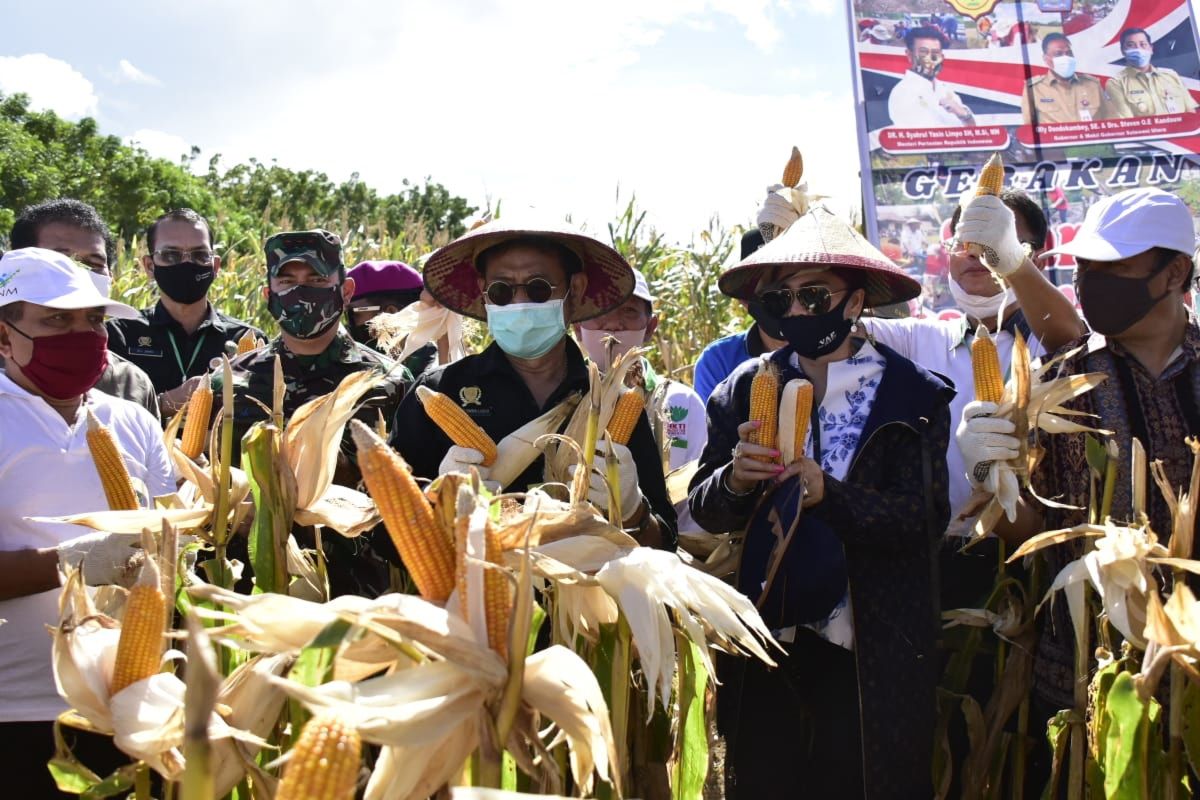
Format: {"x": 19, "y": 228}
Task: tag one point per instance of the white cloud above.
{"x": 127, "y": 72}
{"x": 51, "y": 84}
{"x": 159, "y": 144}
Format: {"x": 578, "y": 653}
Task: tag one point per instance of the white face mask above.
{"x": 976, "y": 307}
{"x": 1064, "y": 66}
{"x": 597, "y": 350}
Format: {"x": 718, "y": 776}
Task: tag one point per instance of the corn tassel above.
{"x": 795, "y": 411}
{"x": 426, "y": 551}
{"x": 114, "y": 476}
{"x": 625, "y": 416}
{"x": 139, "y": 650}
{"x": 497, "y": 592}
{"x": 456, "y": 424}
{"x": 985, "y": 361}
{"x": 764, "y": 406}
{"x": 794, "y": 170}
{"x": 991, "y": 177}
{"x": 324, "y": 763}
{"x": 195, "y": 425}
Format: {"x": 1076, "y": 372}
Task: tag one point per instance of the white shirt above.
{"x": 680, "y": 423}
{"x": 943, "y": 346}
{"x": 912, "y": 240}
{"x": 46, "y": 470}
{"x": 916, "y": 102}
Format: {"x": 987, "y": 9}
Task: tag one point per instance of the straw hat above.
{"x": 820, "y": 238}
{"x": 451, "y": 276}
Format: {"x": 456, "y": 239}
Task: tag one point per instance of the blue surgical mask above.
{"x": 527, "y": 330}
{"x": 1064, "y": 67}
{"x": 1138, "y": 57}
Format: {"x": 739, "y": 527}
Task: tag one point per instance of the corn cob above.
{"x": 991, "y": 177}
{"x": 794, "y": 171}
{"x": 139, "y": 650}
{"x": 195, "y": 425}
{"x": 324, "y": 763}
{"x": 625, "y": 416}
{"x": 247, "y": 343}
{"x": 764, "y": 406}
{"x": 455, "y": 423}
{"x": 114, "y": 476}
{"x": 985, "y": 361}
{"x": 795, "y": 410}
{"x": 426, "y": 551}
{"x": 497, "y": 593}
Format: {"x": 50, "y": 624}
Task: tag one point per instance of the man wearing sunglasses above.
{"x": 528, "y": 282}
{"x": 176, "y": 340}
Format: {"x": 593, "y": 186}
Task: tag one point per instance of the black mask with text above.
{"x": 185, "y": 283}
{"x": 813, "y": 336}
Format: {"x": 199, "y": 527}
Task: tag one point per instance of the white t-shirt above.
{"x": 943, "y": 346}
{"x": 916, "y": 102}
{"x": 47, "y": 470}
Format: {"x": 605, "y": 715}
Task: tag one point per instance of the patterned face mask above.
{"x": 306, "y": 312}
{"x": 928, "y": 65}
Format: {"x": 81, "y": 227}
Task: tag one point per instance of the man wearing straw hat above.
{"x": 53, "y": 339}
{"x": 528, "y": 280}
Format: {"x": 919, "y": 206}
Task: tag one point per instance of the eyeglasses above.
{"x": 814, "y": 299}
{"x": 538, "y": 290}
{"x": 960, "y": 248}
{"x": 170, "y": 258}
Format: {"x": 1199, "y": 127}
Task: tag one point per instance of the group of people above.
{"x": 845, "y": 550}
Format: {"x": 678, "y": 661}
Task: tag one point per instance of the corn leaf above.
{"x": 1124, "y": 759}
{"x": 272, "y": 519}
{"x": 691, "y": 764}
{"x": 1191, "y": 724}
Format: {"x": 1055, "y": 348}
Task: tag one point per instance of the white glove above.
{"x": 631, "y": 496}
{"x": 105, "y": 557}
{"x": 461, "y": 459}
{"x": 987, "y": 222}
{"x": 778, "y": 209}
{"x": 984, "y": 439}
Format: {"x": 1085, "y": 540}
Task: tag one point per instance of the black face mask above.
{"x": 1113, "y": 304}
{"x": 767, "y": 323}
{"x": 186, "y": 282}
{"x": 362, "y": 335}
{"x": 819, "y": 334}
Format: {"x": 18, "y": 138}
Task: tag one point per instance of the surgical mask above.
{"x": 1112, "y": 304}
{"x": 1137, "y": 57}
{"x": 186, "y": 282}
{"x": 813, "y": 336}
{"x": 1064, "y": 67}
{"x": 977, "y": 307}
{"x": 527, "y": 330}
{"x": 767, "y": 323}
{"x": 306, "y": 312}
{"x": 595, "y": 344}
{"x": 65, "y": 365}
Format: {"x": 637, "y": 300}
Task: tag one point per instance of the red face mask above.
{"x": 66, "y": 365}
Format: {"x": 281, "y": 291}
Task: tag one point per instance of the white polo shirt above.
{"x": 916, "y": 102}
{"x": 47, "y": 470}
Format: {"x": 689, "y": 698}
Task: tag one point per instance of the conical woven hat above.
{"x": 820, "y": 238}
{"x": 451, "y": 277}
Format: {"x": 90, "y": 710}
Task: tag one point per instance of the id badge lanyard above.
{"x": 183, "y": 371}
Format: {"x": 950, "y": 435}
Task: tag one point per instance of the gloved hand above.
{"x": 461, "y": 459}
{"x": 984, "y": 439}
{"x": 631, "y": 496}
{"x": 987, "y": 222}
{"x": 777, "y": 210}
{"x": 172, "y": 400}
{"x": 105, "y": 557}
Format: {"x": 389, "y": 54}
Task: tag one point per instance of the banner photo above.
{"x": 1082, "y": 99}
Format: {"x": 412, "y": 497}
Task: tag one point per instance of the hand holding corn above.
{"x": 989, "y": 225}
{"x": 106, "y": 558}
{"x": 631, "y": 496}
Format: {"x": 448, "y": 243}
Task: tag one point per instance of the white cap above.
{"x": 1132, "y": 222}
{"x": 640, "y": 287}
{"x": 47, "y": 278}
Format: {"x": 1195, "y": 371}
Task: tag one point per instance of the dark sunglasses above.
{"x": 815, "y": 299}
{"x": 537, "y": 290}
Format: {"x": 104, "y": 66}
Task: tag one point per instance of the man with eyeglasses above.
{"x": 75, "y": 229}
{"x": 528, "y": 280}
{"x": 175, "y": 341}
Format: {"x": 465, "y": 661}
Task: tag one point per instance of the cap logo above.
{"x": 5, "y": 279}
{"x": 470, "y": 395}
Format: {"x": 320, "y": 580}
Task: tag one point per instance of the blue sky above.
{"x": 692, "y": 104}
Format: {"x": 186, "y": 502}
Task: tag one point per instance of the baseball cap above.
{"x": 1130, "y": 223}
{"x": 48, "y": 278}
{"x": 318, "y": 248}
{"x": 640, "y": 287}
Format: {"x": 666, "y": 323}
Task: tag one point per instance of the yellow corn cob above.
{"x": 139, "y": 650}
{"x": 794, "y": 171}
{"x": 795, "y": 411}
{"x": 991, "y": 177}
{"x": 247, "y": 343}
{"x": 324, "y": 763}
{"x": 426, "y": 551}
{"x": 764, "y": 406}
{"x": 195, "y": 426}
{"x": 985, "y": 361}
{"x": 625, "y": 416}
{"x": 455, "y": 423}
{"x": 497, "y": 592}
{"x": 118, "y": 488}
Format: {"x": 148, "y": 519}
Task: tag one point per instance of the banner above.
{"x": 1081, "y": 98}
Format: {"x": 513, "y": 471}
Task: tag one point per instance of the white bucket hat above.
{"x": 48, "y": 278}
{"x": 1130, "y": 223}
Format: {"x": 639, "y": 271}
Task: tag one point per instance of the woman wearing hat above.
{"x": 851, "y": 708}
{"x": 528, "y": 282}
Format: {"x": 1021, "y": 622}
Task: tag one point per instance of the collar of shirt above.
{"x": 493, "y": 361}
{"x": 159, "y": 317}
{"x": 341, "y": 350}
{"x": 1189, "y": 349}
{"x": 753, "y": 343}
